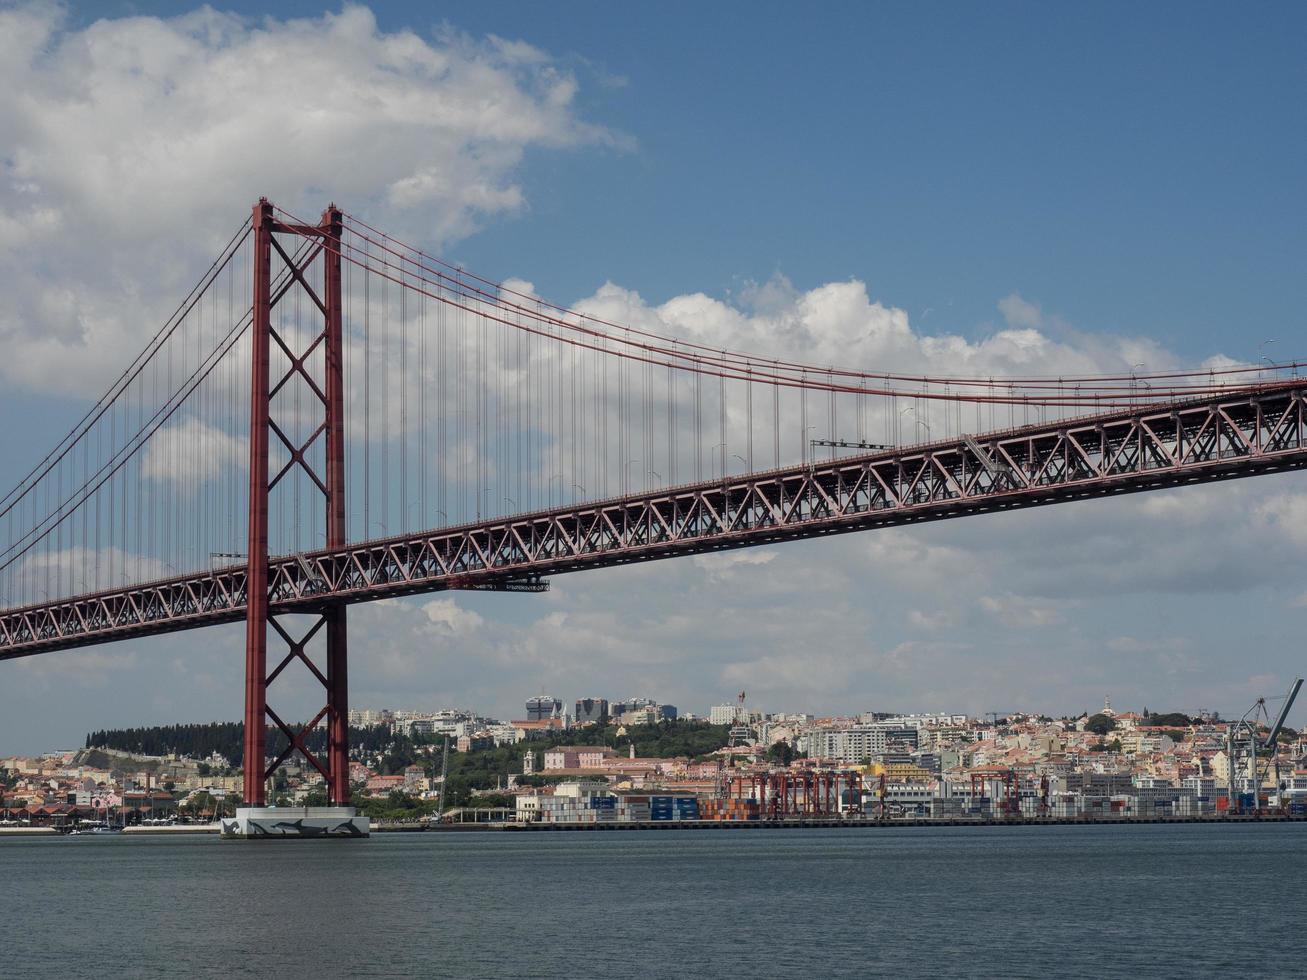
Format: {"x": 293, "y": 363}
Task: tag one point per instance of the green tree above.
{"x": 200, "y": 806}
{"x": 1173, "y": 719}
{"x": 781, "y": 753}
{"x": 1100, "y": 724}
{"x": 493, "y": 800}
{"x": 399, "y": 800}
{"x": 398, "y": 805}
{"x": 539, "y": 779}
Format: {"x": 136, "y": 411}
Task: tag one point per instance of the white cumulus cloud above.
{"x": 448, "y": 618}
{"x": 190, "y": 452}
{"x": 134, "y": 146}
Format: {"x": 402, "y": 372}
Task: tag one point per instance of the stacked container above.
{"x": 941, "y": 807}
{"x": 728, "y": 810}
{"x": 673, "y": 808}
{"x": 632, "y": 808}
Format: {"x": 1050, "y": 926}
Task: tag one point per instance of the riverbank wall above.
{"x": 392, "y": 827}
{"x": 802, "y": 824}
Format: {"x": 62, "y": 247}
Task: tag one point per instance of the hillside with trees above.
{"x": 388, "y": 753}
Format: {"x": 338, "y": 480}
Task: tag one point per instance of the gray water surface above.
{"x": 1138, "y": 901}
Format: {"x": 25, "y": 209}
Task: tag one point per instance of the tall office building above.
{"x": 591, "y": 709}
{"x": 543, "y": 707}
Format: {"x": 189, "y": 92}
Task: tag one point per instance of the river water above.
{"x": 1137, "y": 901}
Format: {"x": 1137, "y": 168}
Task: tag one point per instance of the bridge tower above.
{"x": 326, "y": 472}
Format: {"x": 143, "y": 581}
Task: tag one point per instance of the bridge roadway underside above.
{"x": 1242, "y": 434}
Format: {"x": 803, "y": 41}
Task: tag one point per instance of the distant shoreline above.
{"x": 726, "y": 825}
{"x": 511, "y": 827}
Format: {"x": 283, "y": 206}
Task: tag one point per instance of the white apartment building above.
{"x": 926, "y": 720}
{"x": 858, "y": 742}
{"x": 1203, "y": 786}
{"x": 723, "y": 714}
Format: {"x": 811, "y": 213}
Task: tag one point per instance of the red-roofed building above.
{"x": 382, "y": 785}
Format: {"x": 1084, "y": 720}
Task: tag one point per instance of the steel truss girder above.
{"x": 1246, "y": 434}
{"x": 297, "y": 650}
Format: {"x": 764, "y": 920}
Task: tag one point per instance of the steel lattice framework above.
{"x": 330, "y": 482}
{"x": 1239, "y": 435}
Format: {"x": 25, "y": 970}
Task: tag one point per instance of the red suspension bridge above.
{"x": 332, "y": 416}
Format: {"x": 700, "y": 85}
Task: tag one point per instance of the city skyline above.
{"x": 402, "y": 715}
{"x": 1196, "y": 593}
{"x": 740, "y": 766}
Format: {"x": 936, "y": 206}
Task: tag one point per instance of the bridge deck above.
{"x": 1242, "y": 434}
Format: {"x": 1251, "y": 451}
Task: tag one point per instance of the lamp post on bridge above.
{"x": 898, "y": 425}
{"x": 1261, "y": 356}
{"x": 295, "y": 533}
{"x": 712, "y": 451}
{"x": 1134, "y": 380}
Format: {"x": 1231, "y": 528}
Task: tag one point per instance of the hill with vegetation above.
{"x": 388, "y": 753}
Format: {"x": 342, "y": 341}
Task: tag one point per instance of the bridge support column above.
{"x": 256, "y": 575}
{"x": 338, "y": 709}
{"x": 337, "y": 634}
{"x": 330, "y": 480}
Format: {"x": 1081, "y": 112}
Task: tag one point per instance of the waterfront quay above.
{"x": 513, "y": 826}
{"x": 510, "y": 826}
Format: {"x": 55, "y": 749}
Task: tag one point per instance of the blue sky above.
{"x": 1132, "y": 171}
{"x": 1135, "y": 167}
